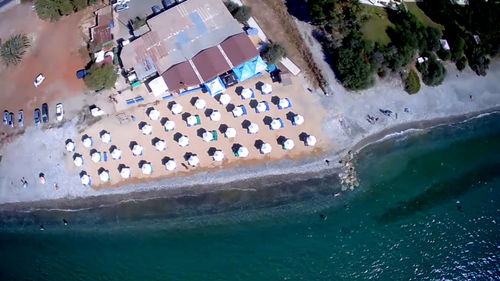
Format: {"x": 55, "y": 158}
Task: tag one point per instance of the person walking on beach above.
{"x": 327, "y": 162}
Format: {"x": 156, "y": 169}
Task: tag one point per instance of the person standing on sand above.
{"x": 327, "y": 162}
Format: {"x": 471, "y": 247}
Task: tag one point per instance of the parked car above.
{"x": 11, "y": 120}
{"x": 37, "y": 116}
{"x": 156, "y": 9}
{"x": 168, "y": 3}
{"x": 20, "y": 118}
{"x": 5, "y": 117}
{"x": 39, "y": 79}
{"x": 45, "y": 113}
{"x": 121, "y": 7}
{"x": 59, "y": 112}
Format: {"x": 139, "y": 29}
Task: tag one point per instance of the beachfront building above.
{"x": 191, "y": 46}
{"x": 100, "y": 35}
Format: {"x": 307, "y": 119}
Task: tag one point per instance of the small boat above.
{"x": 42, "y": 178}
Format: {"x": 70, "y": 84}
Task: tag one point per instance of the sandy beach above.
{"x": 345, "y": 127}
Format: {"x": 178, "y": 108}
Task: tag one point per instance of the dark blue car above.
{"x": 37, "y": 116}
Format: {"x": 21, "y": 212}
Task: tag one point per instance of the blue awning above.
{"x": 215, "y": 86}
{"x": 249, "y": 69}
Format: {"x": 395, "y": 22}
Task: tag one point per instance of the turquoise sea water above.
{"x": 402, "y": 223}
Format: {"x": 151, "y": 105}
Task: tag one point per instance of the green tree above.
{"x": 47, "y": 10}
{"x": 461, "y": 63}
{"x": 433, "y": 72}
{"x": 65, "y": 7}
{"x": 138, "y": 22}
{"x": 13, "y": 49}
{"x": 412, "y": 82}
{"x": 273, "y": 52}
{"x": 79, "y": 5}
{"x": 101, "y": 77}
{"x": 457, "y": 48}
{"x": 444, "y": 54}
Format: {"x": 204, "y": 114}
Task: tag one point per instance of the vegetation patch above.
{"x": 53, "y": 9}
{"x": 273, "y": 53}
{"x": 421, "y": 16}
{"x": 412, "y": 82}
{"x": 240, "y": 13}
{"x": 376, "y": 24}
{"x": 13, "y": 49}
{"x": 101, "y": 77}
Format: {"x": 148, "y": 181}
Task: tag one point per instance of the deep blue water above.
{"x": 427, "y": 209}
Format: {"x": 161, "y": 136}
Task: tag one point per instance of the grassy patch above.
{"x": 374, "y": 28}
{"x": 422, "y": 17}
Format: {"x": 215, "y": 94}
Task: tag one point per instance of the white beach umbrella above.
{"x": 70, "y": 146}
{"x": 193, "y": 160}
{"x": 208, "y": 136}
{"x": 266, "y": 88}
{"x": 200, "y": 104}
{"x": 265, "y": 148}
{"x": 253, "y": 128}
{"x": 246, "y": 93}
{"x": 298, "y": 119}
{"x": 191, "y": 120}
{"x": 147, "y": 129}
{"x": 311, "y": 140}
{"x": 215, "y": 115}
{"x": 171, "y": 165}
{"x": 85, "y": 179}
{"x": 78, "y": 161}
{"x": 218, "y": 155}
{"x": 237, "y": 111}
{"x": 137, "y": 150}
{"x": 106, "y": 137}
{"x": 288, "y": 144}
{"x": 225, "y": 99}
{"x": 104, "y": 176}
{"x": 87, "y": 142}
{"x": 125, "y": 172}
{"x": 169, "y": 125}
{"x": 147, "y": 169}
{"x": 96, "y": 157}
{"x": 183, "y": 141}
{"x": 261, "y": 107}
{"x": 284, "y": 103}
{"x": 161, "y": 145}
{"x": 230, "y": 133}
{"x": 176, "y": 108}
{"x": 154, "y": 114}
{"x": 242, "y": 152}
{"x": 275, "y": 124}
{"x": 116, "y": 154}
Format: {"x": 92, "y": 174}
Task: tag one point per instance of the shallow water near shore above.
{"x": 427, "y": 208}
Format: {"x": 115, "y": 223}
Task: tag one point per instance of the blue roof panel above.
{"x": 198, "y": 22}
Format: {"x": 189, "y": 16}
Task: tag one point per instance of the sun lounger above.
{"x": 139, "y": 99}
{"x": 198, "y": 120}
{"x": 244, "y": 110}
{"x": 215, "y": 136}
{"x": 282, "y": 124}
{"x": 130, "y": 101}
{"x": 168, "y": 97}
{"x": 105, "y": 157}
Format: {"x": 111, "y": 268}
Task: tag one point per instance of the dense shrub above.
{"x": 461, "y": 63}
{"x": 433, "y": 72}
{"x": 412, "y": 82}
{"x": 13, "y": 49}
{"x": 273, "y": 53}
{"x": 101, "y": 77}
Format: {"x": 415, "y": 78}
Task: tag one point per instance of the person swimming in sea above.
{"x": 323, "y": 217}
{"x": 42, "y": 228}
{"x": 65, "y": 222}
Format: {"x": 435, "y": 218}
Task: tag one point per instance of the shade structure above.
{"x": 137, "y": 150}
{"x": 191, "y": 120}
{"x": 106, "y": 137}
{"x": 218, "y": 155}
{"x": 116, "y": 154}
{"x": 215, "y": 115}
{"x": 183, "y": 141}
{"x": 176, "y": 108}
{"x": 161, "y": 145}
{"x": 147, "y": 129}
{"x": 147, "y": 168}
{"x": 78, "y": 161}
{"x": 288, "y": 144}
{"x": 88, "y": 142}
{"x": 276, "y": 124}
{"x": 96, "y": 157}
{"x": 265, "y": 148}
{"x": 311, "y": 140}
{"x": 253, "y": 128}
{"x": 225, "y": 99}
{"x": 200, "y": 104}
{"x": 242, "y": 152}
{"x": 169, "y": 125}
{"x": 247, "y": 93}
{"x": 70, "y": 146}
{"x": 104, "y": 176}
{"x": 298, "y": 119}
{"x": 85, "y": 179}
{"x": 261, "y": 107}
{"x": 125, "y": 172}
{"x": 249, "y": 69}
{"x": 170, "y": 165}
{"x": 208, "y": 136}
{"x": 266, "y": 89}
{"x": 230, "y": 133}
{"x": 284, "y": 103}
{"x": 154, "y": 114}
{"x": 215, "y": 86}
{"x": 193, "y": 160}
{"x": 237, "y": 111}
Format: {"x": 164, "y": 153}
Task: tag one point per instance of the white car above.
{"x": 38, "y": 80}
{"x": 59, "y": 112}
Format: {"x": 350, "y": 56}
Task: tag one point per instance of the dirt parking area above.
{"x": 54, "y": 51}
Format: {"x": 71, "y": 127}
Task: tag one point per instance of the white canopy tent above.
{"x": 215, "y": 115}
{"x": 193, "y": 160}
{"x": 158, "y": 86}
{"x": 183, "y": 141}
{"x": 200, "y": 104}
{"x": 171, "y": 165}
{"x": 218, "y": 155}
{"x": 265, "y": 148}
{"x": 230, "y": 133}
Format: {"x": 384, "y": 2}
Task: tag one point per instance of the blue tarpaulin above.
{"x": 249, "y": 69}
{"x": 215, "y": 86}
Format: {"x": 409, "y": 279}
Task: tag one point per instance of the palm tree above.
{"x": 14, "y": 48}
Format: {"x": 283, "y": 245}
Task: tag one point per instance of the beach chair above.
{"x": 282, "y": 124}
{"x": 244, "y": 110}
{"x": 130, "y": 101}
{"x": 215, "y": 136}
{"x": 198, "y": 120}
{"x": 105, "y": 157}
{"x": 139, "y": 99}
{"x": 267, "y": 106}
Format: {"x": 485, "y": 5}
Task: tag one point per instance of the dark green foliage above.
{"x": 444, "y": 54}
{"x": 101, "y": 77}
{"x": 433, "y": 72}
{"x": 457, "y": 48}
{"x": 138, "y": 22}
{"x": 273, "y": 53}
{"x": 412, "y": 82}
{"x": 340, "y": 15}
{"x": 13, "y": 49}
{"x": 53, "y": 9}
{"x": 65, "y": 7}
{"x": 461, "y": 63}
{"x": 240, "y": 13}
{"x": 79, "y": 5}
